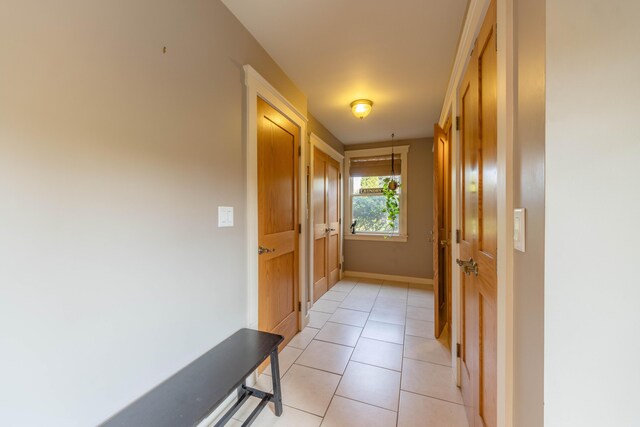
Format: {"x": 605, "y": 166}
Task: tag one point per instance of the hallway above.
{"x": 367, "y": 358}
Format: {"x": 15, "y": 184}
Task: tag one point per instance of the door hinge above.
{"x": 457, "y": 122}
{"x": 339, "y": 176}
{"x": 299, "y": 151}
{"x": 340, "y": 266}
{"x": 339, "y": 220}
{"x": 299, "y": 228}
{"x": 495, "y": 35}
{"x": 299, "y": 306}
{"x": 457, "y": 236}
{"x": 457, "y": 349}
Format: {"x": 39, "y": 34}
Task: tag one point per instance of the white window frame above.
{"x": 402, "y": 236}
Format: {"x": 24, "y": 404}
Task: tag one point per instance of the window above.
{"x": 368, "y": 172}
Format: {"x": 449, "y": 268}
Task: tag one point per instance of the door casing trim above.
{"x": 318, "y": 143}
{"x": 505, "y": 104}
{"x": 258, "y": 86}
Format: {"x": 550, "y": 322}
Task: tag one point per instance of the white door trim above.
{"x": 505, "y": 69}
{"x": 258, "y": 86}
{"x": 316, "y": 142}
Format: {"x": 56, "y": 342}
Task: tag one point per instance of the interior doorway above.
{"x": 326, "y": 217}
{"x": 442, "y": 235}
{"x": 278, "y": 238}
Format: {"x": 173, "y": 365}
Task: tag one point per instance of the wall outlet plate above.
{"x": 225, "y": 216}
{"x": 519, "y": 229}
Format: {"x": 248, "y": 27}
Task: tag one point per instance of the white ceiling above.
{"x": 397, "y": 53}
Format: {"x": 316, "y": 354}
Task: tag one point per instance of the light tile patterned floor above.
{"x": 368, "y": 358}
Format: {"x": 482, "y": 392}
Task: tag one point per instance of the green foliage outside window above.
{"x": 376, "y": 213}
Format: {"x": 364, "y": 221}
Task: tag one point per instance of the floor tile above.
{"x": 430, "y": 379}
{"x": 378, "y": 353}
{"x": 339, "y": 334}
{"x": 420, "y": 291}
{"x": 388, "y": 315}
{"x": 420, "y": 411}
{"x": 370, "y": 384}
{"x": 325, "y": 356}
{"x": 335, "y": 295}
{"x": 349, "y": 317}
{"x": 291, "y": 417}
{"x": 384, "y": 331}
{"x": 420, "y": 313}
{"x": 317, "y": 319}
{"x": 370, "y": 291}
{"x": 391, "y": 303}
{"x": 303, "y": 338}
{"x": 346, "y": 412}
{"x": 364, "y": 281}
{"x": 424, "y": 302}
{"x": 393, "y": 292}
{"x": 343, "y": 286}
{"x": 419, "y": 328}
{"x": 309, "y": 389}
{"x": 427, "y": 350}
{"x": 325, "y": 306}
{"x": 286, "y": 357}
{"x": 358, "y": 303}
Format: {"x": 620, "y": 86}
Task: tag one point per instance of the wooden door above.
{"x": 326, "y": 223}
{"x": 278, "y": 141}
{"x": 478, "y": 94}
{"x": 333, "y": 219}
{"x": 320, "y": 225}
{"x": 441, "y": 228}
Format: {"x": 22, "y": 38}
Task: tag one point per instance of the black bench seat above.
{"x": 190, "y": 395}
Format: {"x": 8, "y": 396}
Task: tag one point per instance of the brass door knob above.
{"x": 468, "y": 266}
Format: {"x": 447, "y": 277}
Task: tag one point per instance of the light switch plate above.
{"x": 519, "y": 229}
{"x": 225, "y": 216}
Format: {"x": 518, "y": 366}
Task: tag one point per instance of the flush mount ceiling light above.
{"x": 361, "y": 107}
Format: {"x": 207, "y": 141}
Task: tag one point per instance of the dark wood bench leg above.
{"x": 275, "y": 376}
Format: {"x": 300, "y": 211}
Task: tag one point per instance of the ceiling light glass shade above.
{"x": 361, "y": 108}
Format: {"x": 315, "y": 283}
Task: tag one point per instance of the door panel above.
{"x": 326, "y": 211}
{"x": 333, "y": 218}
{"x": 320, "y": 247}
{"x": 441, "y": 229}
{"x": 277, "y": 222}
{"x": 478, "y": 144}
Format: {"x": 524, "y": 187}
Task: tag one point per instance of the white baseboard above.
{"x": 390, "y": 277}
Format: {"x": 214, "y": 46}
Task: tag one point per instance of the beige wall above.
{"x": 592, "y": 285}
{"x": 113, "y": 160}
{"x": 528, "y": 187}
{"x": 314, "y": 126}
{"x": 415, "y": 257}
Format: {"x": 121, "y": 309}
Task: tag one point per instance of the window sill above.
{"x": 376, "y": 237}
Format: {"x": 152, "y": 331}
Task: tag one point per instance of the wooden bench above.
{"x": 190, "y": 395}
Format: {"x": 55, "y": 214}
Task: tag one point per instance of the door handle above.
{"x": 445, "y": 242}
{"x": 263, "y": 250}
{"x": 326, "y": 230}
{"x": 468, "y": 266}
{"x": 332, "y": 229}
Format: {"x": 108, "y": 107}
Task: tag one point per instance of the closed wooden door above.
{"x": 441, "y": 229}
{"x": 278, "y": 141}
{"x": 320, "y": 225}
{"x": 333, "y": 218}
{"x": 326, "y": 218}
{"x": 478, "y": 246}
